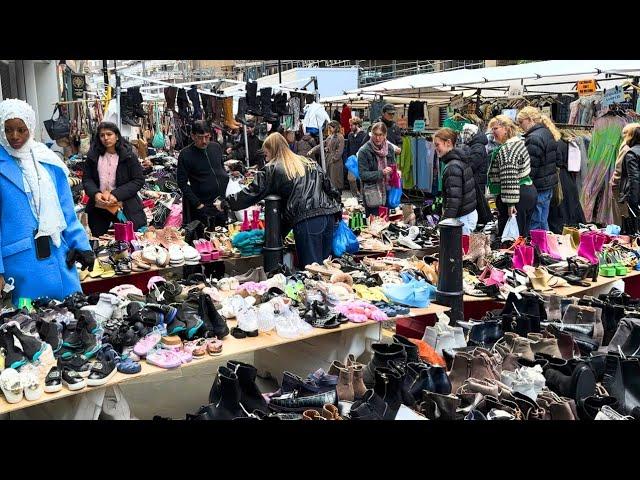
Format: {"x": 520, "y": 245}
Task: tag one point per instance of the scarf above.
{"x": 30, "y": 157}
{"x": 381, "y": 154}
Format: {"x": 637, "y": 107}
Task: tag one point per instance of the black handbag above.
{"x": 57, "y": 128}
{"x": 521, "y": 324}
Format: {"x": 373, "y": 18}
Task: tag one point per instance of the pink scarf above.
{"x": 381, "y": 153}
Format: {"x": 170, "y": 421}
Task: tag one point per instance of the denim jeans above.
{"x": 541, "y": 211}
{"x": 469, "y": 222}
{"x": 313, "y": 239}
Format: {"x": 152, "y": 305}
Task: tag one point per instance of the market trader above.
{"x": 202, "y": 177}
{"x": 393, "y": 130}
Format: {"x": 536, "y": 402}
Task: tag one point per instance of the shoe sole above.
{"x": 96, "y": 382}
{"x": 74, "y": 386}
{"x": 52, "y": 388}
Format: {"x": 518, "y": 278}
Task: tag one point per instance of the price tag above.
{"x": 586, "y": 87}
{"x": 515, "y": 90}
{"x": 612, "y": 95}
{"x": 419, "y": 126}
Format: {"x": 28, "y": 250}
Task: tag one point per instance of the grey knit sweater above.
{"x": 510, "y": 166}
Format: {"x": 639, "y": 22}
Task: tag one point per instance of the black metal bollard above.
{"x": 273, "y": 247}
{"x": 450, "y": 291}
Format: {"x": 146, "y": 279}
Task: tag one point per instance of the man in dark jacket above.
{"x": 393, "y": 131}
{"x": 201, "y": 176}
{"x": 356, "y": 139}
{"x": 543, "y": 150}
{"x": 458, "y": 183}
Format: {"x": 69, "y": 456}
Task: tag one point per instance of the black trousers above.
{"x": 528, "y": 198}
{"x": 100, "y": 220}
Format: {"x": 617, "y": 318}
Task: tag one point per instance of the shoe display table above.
{"x": 314, "y": 350}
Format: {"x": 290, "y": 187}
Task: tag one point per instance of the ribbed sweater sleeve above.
{"x": 514, "y": 163}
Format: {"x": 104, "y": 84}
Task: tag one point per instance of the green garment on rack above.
{"x": 454, "y": 124}
{"x": 405, "y": 163}
{"x": 441, "y": 171}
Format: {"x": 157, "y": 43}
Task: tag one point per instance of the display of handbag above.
{"x": 158, "y": 137}
{"x": 124, "y": 231}
{"x": 58, "y": 128}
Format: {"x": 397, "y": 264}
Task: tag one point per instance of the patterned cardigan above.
{"x": 510, "y": 165}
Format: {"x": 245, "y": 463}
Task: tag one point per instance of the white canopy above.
{"x": 364, "y": 99}
{"x": 553, "y": 76}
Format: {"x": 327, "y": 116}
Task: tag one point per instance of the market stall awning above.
{"x": 553, "y": 76}
{"x": 364, "y": 99}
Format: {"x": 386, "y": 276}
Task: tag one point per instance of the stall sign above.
{"x": 78, "y": 85}
{"x": 586, "y": 87}
{"x": 612, "y": 95}
{"x": 515, "y": 90}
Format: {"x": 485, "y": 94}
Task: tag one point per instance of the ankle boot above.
{"x": 331, "y": 412}
{"x": 229, "y": 121}
{"x": 382, "y": 353}
{"x": 539, "y": 239}
{"x": 225, "y": 396}
{"x": 388, "y": 387}
{"x": 345, "y": 381}
{"x": 460, "y": 370}
{"x": 593, "y": 404}
{"x": 440, "y": 407}
{"x": 417, "y": 379}
{"x": 539, "y": 344}
{"x": 250, "y": 395}
{"x": 552, "y": 307}
{"x": 409, "y": 347}
{"x": 214, "y": 325}
{"x": 587, "y": 248}
{"x": 371, "y": 407}
{"x": 554, "y": 247}
{"x": 359, "y": 387}
{"x": 252, "y": 98}
{"x": 631, "y": 347}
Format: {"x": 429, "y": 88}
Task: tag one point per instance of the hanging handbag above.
{"x": 57, "y": 128}
{"x": 124, "y": 232}
{"x": 158, "y": 138}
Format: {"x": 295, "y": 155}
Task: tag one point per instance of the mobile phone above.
{"x": 43, "y": 246}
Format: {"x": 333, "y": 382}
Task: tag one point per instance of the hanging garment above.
{"x": 345, "y": 116}
{"x": 405, "y": 163}
{"x": 294, "y": 108}
{"x": 416, "y": 112}
{"x": 375, "y": 110}
{"x": 184, "y": 108}
{"x": 569, "y": 211}
{"x": 194, "y": 96}
{"x": 573, "y": 157}
{"x": 424, "y": 162}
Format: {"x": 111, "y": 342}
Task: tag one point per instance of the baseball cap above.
{"x": 388, "y": 107}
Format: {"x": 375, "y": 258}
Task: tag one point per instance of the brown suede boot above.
{"x": 359, "y": 387}
{"x": 460, "y": 370}
{"x": 548, "y": 346}
{"x": 227, "y": 106}
{"x": 345, "y": 381}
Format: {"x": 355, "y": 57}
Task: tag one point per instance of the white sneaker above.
{"x": 413, "y": 233}
{"x": 103, "y": 310}
{"x": 162, "y": 257}
{"x": 30, "y": 378}
{"x": 407, "y": 242}
{"x": 150, "y": 254}
{"x": 190, "y": 255}
{"x": 176, "y": 257}
{"x": 247, "y": 319}
{"x": 11, "y": 384}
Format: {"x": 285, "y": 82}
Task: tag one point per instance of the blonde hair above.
{"x": 533, "y": 114}
{"x": 507, "y": 123}
{"x": 294, "y": 165}
{"x": 627, "y": 132}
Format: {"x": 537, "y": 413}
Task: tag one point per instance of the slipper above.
{"x": 97, "y": 269}
{"x": 129, "y": 366}
{"x": 107, "y": 270}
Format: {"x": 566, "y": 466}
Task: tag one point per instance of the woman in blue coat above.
{"x": 40, "y": 235}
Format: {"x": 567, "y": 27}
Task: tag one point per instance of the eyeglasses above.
{"x": 206, "y": 136}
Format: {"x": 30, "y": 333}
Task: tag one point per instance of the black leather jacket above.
{"x": 543, "y": 150}
{"x": 303, "y": 197}
{"x": 630, "y": 178}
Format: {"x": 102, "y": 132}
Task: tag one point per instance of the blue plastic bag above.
{"x": 344, "y": 240}
{"x": 394, "y": 194}
{"x": 352, "y": 165}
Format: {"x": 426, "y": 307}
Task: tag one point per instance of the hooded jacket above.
{"x": 543, "y": 150}
{"x": 478, "y": 158}
{"x": 458, "y": 185}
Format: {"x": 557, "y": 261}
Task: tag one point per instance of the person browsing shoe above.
{"x": 509, "y": 175}
{"x": 458, "y": 183}
{"x": 112, "y": 179}
{"x": 374, "y": 166}
{"x": 202, "y": 177}
{"x": 310, "y": 199}
{"x": 40, "y": 234}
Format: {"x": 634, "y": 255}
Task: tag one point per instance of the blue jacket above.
{"x": 35, "y": 278}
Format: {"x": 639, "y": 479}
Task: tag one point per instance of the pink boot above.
{"x": 518, "y": 257}
{"x": 245, "y": 224}
{"x": 539, "y": 239}
{"x": 587, "y": 248}
{"x": 528, "y": 255}
{"x": 554, "y": 247}
{"x": 255, "y": 223}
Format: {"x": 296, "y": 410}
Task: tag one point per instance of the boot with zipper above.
{"x": 382, "y": 353}
{"x": 225, "y": 396}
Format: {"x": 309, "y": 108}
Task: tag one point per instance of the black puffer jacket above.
{"x": 543, "y": 150}
{"x": 479, "y": 158}
{"x": 368, "y": 163}
{"x": 129, "y": 181}
{"x": 630, "y": 178}
{"x": 458, "y": 185}
{"x": 304, "y": 197}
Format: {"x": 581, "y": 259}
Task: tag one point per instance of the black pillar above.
{"x": 273, "y": 247}
{"x": 450, "y": 292}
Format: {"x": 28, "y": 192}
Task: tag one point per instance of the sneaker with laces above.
{"x": 105, "y": 368}
{"x": 33, "y": 388}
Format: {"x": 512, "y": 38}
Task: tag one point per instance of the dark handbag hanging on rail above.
{"x": 57, "y": 128}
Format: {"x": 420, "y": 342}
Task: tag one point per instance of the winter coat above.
{"x": 368, "y": 163}
{"x": 335, "y": 167}
{"x": 479, "y": 158}
{"x": 458, "y": 185}
{"x": 311, "y": 195}
{"x": 543, "y": 150}
{"x": 36, "y": 278}
{"x": 129, "y": 181}
{"x": 630, "y": 178}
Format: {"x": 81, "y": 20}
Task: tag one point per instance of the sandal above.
{"x": 129, "y": 366}
{"x": 107, "y": 269}
{"x": 214, "y": 347}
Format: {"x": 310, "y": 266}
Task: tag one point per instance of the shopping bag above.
{"x": 344, "y": 240}
{"x": 394, "y": 193}
{"x": 175, "y": 216}
{"x": 352, "y": 165}
{"x": 511, "y": 231}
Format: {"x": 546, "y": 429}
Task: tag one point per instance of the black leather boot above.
{"x": 225, "y": 396}
{"x": 265, "y": 105}
{"x": 388, "y": 385}
{"x": 252, "y": 98}
{"x": 250, "y": 396}
{"x": 410, "y": 348}
{"x": 213, "y": 323}
{"x": 418, "y": 379}
{"x": 371, "y": 407}
{"x": 189, "y": 314}
{"x": 631, "y": 383}
{"x": 631, "y": 347}
{"x": 383, "y": 353}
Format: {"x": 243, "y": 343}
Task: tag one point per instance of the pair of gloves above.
{"x": 86, "y": 258}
